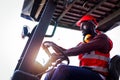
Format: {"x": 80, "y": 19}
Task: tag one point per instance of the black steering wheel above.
{"x": 62, "y": 56}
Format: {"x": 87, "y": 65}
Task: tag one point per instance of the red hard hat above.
{"x": 86, "y": 18}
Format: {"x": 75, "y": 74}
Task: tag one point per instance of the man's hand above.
{"x": 47, "y": 44}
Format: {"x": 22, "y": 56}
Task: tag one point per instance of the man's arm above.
{"x": 100, "y": 43}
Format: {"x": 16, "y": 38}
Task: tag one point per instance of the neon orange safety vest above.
{"x": 96, "y": 60}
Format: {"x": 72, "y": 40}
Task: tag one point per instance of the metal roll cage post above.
{"x": 27, "y": 62}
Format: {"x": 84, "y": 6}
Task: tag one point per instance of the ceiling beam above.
{"x": 66, "y": 10}
{"x": 110, "y": 21}
{"x": 96, "y": 6}
{"x": 110, "y": 17}
{"x": 93, "y": 8}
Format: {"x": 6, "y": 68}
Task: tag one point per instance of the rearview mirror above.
{"x": 25, "y": 31}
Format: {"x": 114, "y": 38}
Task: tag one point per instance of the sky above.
{"x": 12, "y": 45}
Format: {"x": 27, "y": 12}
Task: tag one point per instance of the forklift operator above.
{"x": 93, "y": 53}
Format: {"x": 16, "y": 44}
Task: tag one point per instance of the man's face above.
{"x": 87, "y": 27}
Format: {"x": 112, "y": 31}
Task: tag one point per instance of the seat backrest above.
{"x": 114, "y": 68}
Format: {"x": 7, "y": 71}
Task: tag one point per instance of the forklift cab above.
{"x": 63, "y": 13}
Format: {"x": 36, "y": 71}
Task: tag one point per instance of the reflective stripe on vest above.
{"x": 95, "y": 60}
{"x": 92, "y": 55}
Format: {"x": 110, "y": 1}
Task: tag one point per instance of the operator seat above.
{"x": 114, "y": 68}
